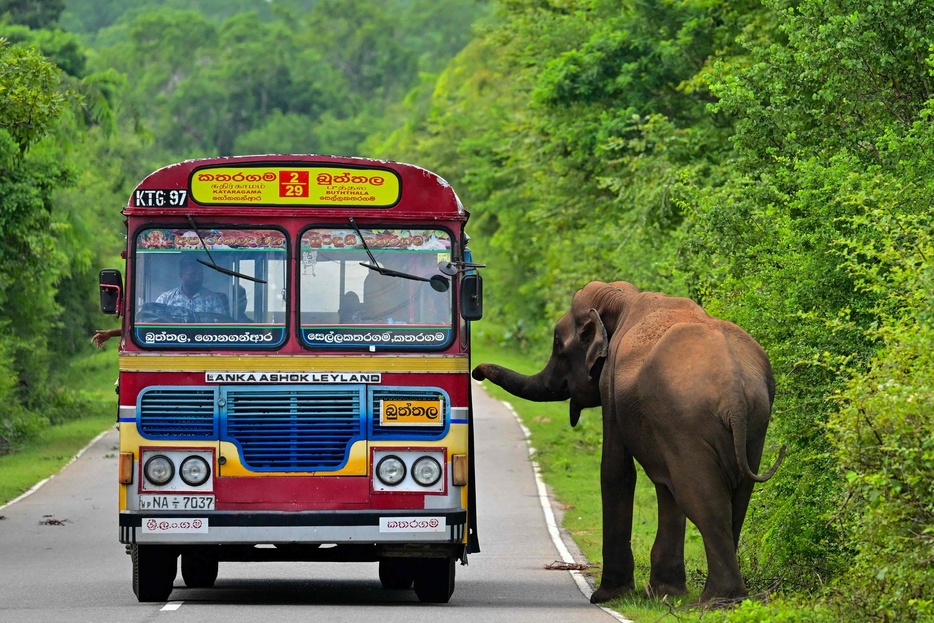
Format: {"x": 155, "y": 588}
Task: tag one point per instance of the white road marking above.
{"x": 172, "y": 605}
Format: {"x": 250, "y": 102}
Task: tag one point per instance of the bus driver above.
{"x": 190, "y": 294}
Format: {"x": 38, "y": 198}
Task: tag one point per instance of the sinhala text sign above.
{"x": 298, "y": 185}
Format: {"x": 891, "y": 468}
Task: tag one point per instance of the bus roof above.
{"x": 283, "y": 185}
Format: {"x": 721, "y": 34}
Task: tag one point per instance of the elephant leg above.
{"x": 740, "y": 506}
{"x": 618, "y": 486}
{"x": 702, "y": 492}
{"x": 668, "y": 576}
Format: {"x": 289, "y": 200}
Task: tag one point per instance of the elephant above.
{"x": 685, "y": 394}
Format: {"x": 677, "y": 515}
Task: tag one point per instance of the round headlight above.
{"x": 159, "y": 470}
{"x": 194, "y": 471}
{"x": 390, "y": 470}
{"x": 426, "y": 471}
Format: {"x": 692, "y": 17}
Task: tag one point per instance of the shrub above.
{"x": 883, "y": 434}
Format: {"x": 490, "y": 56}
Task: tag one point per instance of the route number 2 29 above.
{"x": 293, "y": 183}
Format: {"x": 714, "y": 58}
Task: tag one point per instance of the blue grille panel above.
{"x": 178, "y": 412}
{"x": 294, "y": 428}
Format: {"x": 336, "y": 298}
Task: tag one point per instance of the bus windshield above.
{"x": 181, "y": 301}
{"x": 347, "y": 305}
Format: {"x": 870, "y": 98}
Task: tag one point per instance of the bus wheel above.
{"x": 154, "y": 571}
{"x": 199, "y": 568}
{"x": 397, "y": 573}
{"x": 434, "y": 581}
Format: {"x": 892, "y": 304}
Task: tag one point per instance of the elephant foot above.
{"x": 604, "y": 593}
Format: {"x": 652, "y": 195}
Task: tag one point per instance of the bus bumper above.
{"x": 315, "y": 528}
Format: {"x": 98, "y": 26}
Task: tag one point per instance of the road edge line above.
{"x": 553, "y": 530}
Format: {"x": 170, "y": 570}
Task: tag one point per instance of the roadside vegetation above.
{"x": 43, "y": 455}
{"x": 769, "y": 159}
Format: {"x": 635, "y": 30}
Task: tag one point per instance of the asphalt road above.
{"x": 60, "y": 559}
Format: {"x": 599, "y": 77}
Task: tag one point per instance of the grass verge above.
{"x": 33, "y": 461}
{"x": 36, "y": 460}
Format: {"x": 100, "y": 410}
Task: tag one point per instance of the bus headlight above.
{"x": 426, "y": 471}
{"x": 194, "y": 471}
{"x": 159, "y": 470}
{"x": 390, "y": 470}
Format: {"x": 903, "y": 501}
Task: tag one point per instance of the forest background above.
{"x": 771, "y": 160}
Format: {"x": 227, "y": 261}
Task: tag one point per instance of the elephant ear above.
{"x": 597, "y": 349}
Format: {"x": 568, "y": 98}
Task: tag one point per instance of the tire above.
{"x": 154, "y": 570}
{"x": 434, "y": 580}
{"x": 199, "y": 568}
{"x": 397, "y": 573}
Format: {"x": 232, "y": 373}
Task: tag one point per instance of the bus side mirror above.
{"x": 471, "y": 297}
{"x": 111, "y": 290}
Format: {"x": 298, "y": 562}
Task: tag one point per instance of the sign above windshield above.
{"x": 296, "y": 185}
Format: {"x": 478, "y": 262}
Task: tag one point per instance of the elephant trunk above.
{"x": 535, "y": 388}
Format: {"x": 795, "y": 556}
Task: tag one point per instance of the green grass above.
{"x": 33, "y": 461}
{"x": 37, "y": 460}
{"x": 569, "y": 459}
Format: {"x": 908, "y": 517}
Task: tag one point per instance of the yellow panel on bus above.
{"x": 296, "y": 184}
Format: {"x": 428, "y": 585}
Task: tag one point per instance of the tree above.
{"x": 827, "y": 174}
{"x": 32, "y": 13}
{"x": 30, "y": 105}
{"x": 31, "y": 101}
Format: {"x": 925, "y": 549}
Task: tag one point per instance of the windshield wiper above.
{"x": 438, "y": 282}
{"x": 212, "y": 263}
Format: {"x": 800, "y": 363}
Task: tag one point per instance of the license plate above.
{"x": 176, "y": 502}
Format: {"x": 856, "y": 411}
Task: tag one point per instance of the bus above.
{"x": 294, "y": 371}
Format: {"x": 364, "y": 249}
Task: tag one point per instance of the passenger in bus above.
{"x": 385, "y": 299}
{"x": 240, "y": 304}
{"x": 190, "y": 294}
{"x": 102, "y": 335}
{"x": 351, "y": 311}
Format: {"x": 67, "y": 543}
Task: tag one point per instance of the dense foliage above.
{"x": 84, "y": 117}
{"x": 769, "y": 159}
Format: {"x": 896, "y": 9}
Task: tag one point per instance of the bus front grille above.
{"x": 295, "y": 429}
{"x": 177, "y": 413}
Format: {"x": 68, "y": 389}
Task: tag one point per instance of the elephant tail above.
{"x": 738, "y": 426}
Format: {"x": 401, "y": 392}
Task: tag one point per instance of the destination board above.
{"x": 296, "y": 185}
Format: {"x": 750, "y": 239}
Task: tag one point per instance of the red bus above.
{"x": 294, "y": 370}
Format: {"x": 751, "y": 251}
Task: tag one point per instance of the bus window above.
{"x": 177, "y": 286}
{"x": 339, "y": 296}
